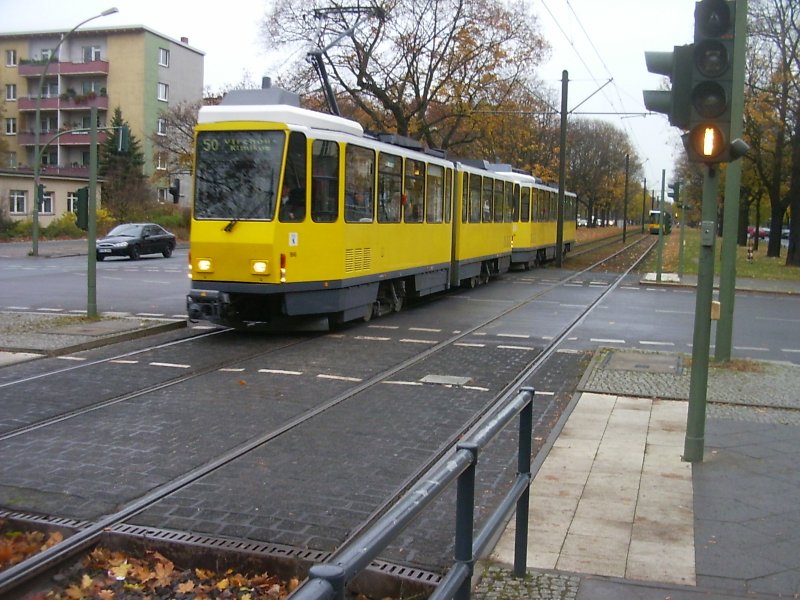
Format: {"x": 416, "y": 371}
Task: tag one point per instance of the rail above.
{"x": 328, "y": 581}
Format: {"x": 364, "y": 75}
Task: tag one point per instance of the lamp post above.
{"x": 37, "y": 163}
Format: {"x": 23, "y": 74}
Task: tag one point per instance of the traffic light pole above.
{"x": 701, "y": 342}
{"x": 660, "y": 251}
{"x": 91, "y": 232}
{"x": 733, "y": 179}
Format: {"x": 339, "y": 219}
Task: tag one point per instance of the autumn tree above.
{"x": 125, "y": 191}
{"x": 596, "y": 152}
{"x": 430, "y": 70}
{"x": 772, "y": 114}
{"x": 176, "y": 144}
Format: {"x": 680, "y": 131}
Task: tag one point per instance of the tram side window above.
{"x": 553, "y": 206}
{"x": 415, "y": 191}
{"x": 525, "y": 206}
{"x": 448, "y": 195}
{"x": 293, "y": 194}
{"x": 512, "y": 202}
{"x": 499, "y": 196}
{"x": 390, "y": 188}
{"x": 475, "y": 207}
{"x": 464, "y": 197}
{"x": 324, "y": 181}
{"x": 434, "y": 209}
{"x": 486, "y": 198}
{"x": 359, "y": 185}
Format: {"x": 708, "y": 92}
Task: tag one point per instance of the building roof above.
{"x": 42, "y": 33}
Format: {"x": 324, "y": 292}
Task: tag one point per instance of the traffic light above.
{"x": 677, "y": 65}
{"x": 82, "y": 208}
{"x": 124, "y": 139}
{"x": 709, "y": 137}
{"x": 40, "y": 194}
{"x": 175, "y": 190}
{"x": 675, "y": 192}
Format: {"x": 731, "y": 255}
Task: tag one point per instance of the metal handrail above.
{"x": 328, "y": 581}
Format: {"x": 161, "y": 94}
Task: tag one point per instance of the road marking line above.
{"x": 403, "y": 382}
{"x": 383, "y": 327}
{"x": 606, "y": 341}
{"x": 469, "y": 345}
{"x": 280, "y": 372}
{"x": 232, "y": 369}
{"x": 649, "y": 343}
{"x": 790, "y": 349}
{"x": 751, "y": 348}
{"x": 171, "y": 365}
{"x": 538, "y": 393}
{"x": 413, "y": 341}
{"x": 515, "y": 347}
{"x": 568, "y": 351}
{"x": 70, "y": 358}
{"x": 121, "y": 361}
{"x": 474, "y": 387}
{"x": 372, "y": 338}
{"x": 514, "y": 335}
{"x": 338, "y": 377}
{"x": 675, "y": 312}
{"x": 149, "y": 314}
{"x": 424, "y": 329}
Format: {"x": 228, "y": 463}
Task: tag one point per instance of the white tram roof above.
{"x": 279, "y": 113}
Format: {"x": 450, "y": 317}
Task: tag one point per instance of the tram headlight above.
{"x": 259, "y": 267}
{"x": 204, "y": 265}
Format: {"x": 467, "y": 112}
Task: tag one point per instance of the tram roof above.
{"x": 279, "y": 113}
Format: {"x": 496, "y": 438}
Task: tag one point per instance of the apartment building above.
{"x": 139, "y": 70}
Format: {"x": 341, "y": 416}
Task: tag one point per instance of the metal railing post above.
{"x": 523, "y": 468}
{"x": 465, "y": 515}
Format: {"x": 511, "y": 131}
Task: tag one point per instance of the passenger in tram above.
{"x": 357, "y": 209}
{"x": 293, "y": 205}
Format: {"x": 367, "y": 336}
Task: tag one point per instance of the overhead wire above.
{"x": 620, "y": 107}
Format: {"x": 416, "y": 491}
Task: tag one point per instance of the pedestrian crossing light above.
{"x": 709, "y": 137}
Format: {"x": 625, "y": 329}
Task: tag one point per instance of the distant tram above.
{"x": 655, "y": 222}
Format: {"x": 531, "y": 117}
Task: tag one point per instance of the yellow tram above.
{"x": 298, "y": 215}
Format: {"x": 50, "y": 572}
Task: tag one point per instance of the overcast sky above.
{"x": 594, "y": 40}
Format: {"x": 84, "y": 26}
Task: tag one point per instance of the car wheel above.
{"x": 100, "y": 257}
{"x": 167, "y": 252}
{"x": 135, "y": 253}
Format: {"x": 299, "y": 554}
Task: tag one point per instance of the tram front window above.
{"x": 237, "y": 174}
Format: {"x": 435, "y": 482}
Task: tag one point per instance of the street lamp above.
{"x": 37, "y": 164}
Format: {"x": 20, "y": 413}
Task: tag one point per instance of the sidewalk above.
{"x": 616, "y": 514}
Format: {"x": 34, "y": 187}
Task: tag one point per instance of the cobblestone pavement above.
{"x": 746, "y": 525}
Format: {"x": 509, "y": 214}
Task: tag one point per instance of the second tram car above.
{"x": 299, "y": 214}
{"x": 655, "y": 222}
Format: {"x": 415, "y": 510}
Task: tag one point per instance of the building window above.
{"x": 46, "y": 204}
{"x": 163, "y": 92}
{"x": 91, "y": 53}
{"x": 161, "y": 161}
{"x": 47, "y": 53}
{"x": 11, "y": 58}
{"x": 162, "y": 127}
{"x": 17, "y": 202}
{"x": 163, "y": 194}
{"x": 12, "y": 160}
{"x": 11, "y": 126}
{"x": 11, "y": 91}
{"x": 72, "y": 202}
{"x": 163, "y": 57}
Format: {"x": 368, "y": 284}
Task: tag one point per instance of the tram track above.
{"x": 88, "y": 536}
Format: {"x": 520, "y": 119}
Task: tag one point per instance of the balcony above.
{"x": 66, "y": 139}
{"x": 65, "y": 102}
{"x": 95, "y": 67}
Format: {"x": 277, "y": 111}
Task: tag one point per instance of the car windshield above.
{"x": 126, "y": 230}
{"x": 237, "y": 174}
